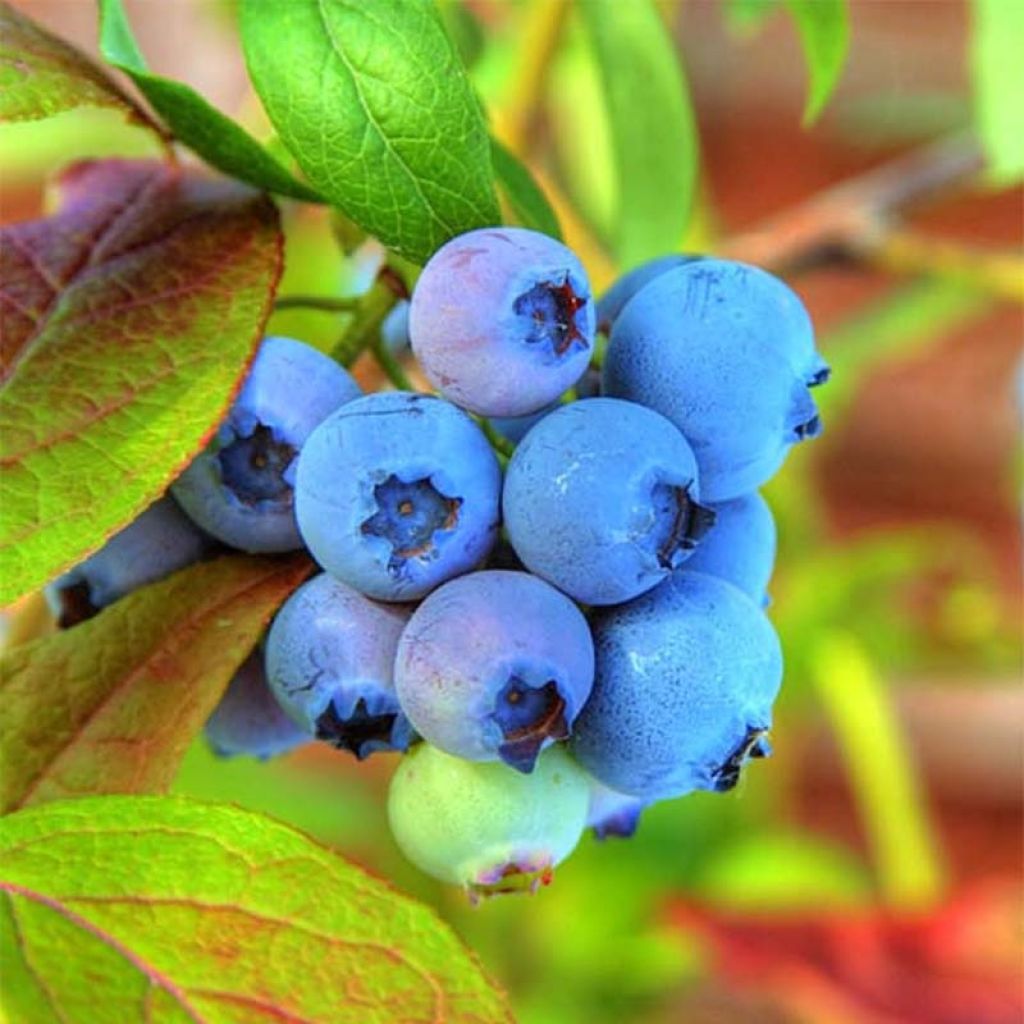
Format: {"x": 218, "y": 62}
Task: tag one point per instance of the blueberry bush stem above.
{"x": 323, "y": 303}
{"x": 369, "y": 314}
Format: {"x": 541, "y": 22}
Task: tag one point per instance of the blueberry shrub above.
{"x": 493, "y": 525}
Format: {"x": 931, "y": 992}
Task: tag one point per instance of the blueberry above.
{"x": 611, "y": 304}
{"x": 249, "y": 721}
{"x": 683, "y": 689}
{"x": 502, "y": 320}
{"x": 495, "y": 665}
{"x": 601, "y": 499}
{"x": 484, "y": 826}
{"x": 330, "y": 663}
{"x": 707, "y": 347}
{"x": 160, "y": 541}
{"x": 396, "y": 493}
{"x": 741, "y": 547}
{"x": 240, "y": 488}
{"x": 611, "y": 813}
{"x": 394, "y": 329}
{"x": 515, "y": 428}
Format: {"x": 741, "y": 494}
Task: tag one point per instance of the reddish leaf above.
{"x": 41, "y": 75}
{"x": 959, "y": 963}
{"x": 126, "y": 323}
{"x": 112, "y": 705}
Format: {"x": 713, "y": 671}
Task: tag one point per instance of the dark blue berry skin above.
{"x": 240, "y": 488}
{"x": 601, "y": 499}
{"x": 683, "y": 689}
{"x": 160, "y": 541}
{"x": 248, "y": 721}
{"x": 330, "y": 664}
{"x": 722, "y": 351}
{"x": 495, "y": 665}
{"x": 502, "y": 320}
{"x": 741, "y": 547}
{"x": 396, "y": 493}
{"x": 515, "y": 428}
{"x": 611, "y": 304}
{"x": 394, "y": 330}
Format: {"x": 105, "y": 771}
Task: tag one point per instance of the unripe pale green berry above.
{"x": 484, "y": 825}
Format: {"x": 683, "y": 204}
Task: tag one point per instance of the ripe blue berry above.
{"x": 703, "y": 346}
{"x": 741, "y": 547}
{"x": 515, "y": 428}
{"x": 396, "y": 493}
{"x": 160, "y": 541}
{"x": 683, "y": 689}
{"x": 394, "y": 329}
{"x": 495, "y": 665}
{"x": 611, "y": 304}
{"x": 330, "y": 663}
{"x": 482, "y": 825}
{"x": 611, "y": 813}
{"x": 240, "y": 488}
{"x": 249, "y": 721}
{"x": 502, "y": 320}
{"x": 601, "y": 499}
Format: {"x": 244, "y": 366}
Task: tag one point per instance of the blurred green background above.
{"x": 871, "y": 871}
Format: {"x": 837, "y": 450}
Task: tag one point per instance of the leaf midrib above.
{"x": 372, "y": 120}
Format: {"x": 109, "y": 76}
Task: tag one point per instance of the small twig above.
{"x": 370, "y": 310}
{"x": 324, "y": 303}
{"x": 390, "y": 365}
{"x": 849, "y": 219}
{"x": 997, "y": 273}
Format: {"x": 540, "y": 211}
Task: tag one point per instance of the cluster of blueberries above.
{"x": 557, "y": 642}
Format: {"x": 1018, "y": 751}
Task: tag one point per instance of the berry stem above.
{"x": 390, "y": 365}
{"x": 324, "y": 303}
{"x": 502, "y": 446}
{"x": 364, "y": 329}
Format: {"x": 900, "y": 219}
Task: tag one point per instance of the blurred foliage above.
{"x": 996, "y": 45}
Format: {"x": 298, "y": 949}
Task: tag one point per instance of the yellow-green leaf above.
{"x": 127, "y": 321}
{"x": 215, "y": 137}
{"x": 824, "y": 27}
{"x": 373, "y": 102}
{"x": 41, "y": 75}
{"x": 112, "y": 705}
{"x": 120, "y": 910}
{"x": 653, "y": 131}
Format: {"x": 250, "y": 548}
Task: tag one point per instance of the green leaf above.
{"x": 463, "y": 29}
{"x": 997, "y": 42}
{"x": 147, "y": 909}
{"x": 41, "y": 75}
{"x": 524, "y": 195}
{"x": 216, "y": 138}
{"x": 377, "y": 110}
{"x": 111, "y": 705}
{"x": 883, "y": 777}
{"x": 653, "y": 131}
{"x": 747, "y": 16}
{"x": 127, "y": 321}
{"x": 824, "y": 27}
